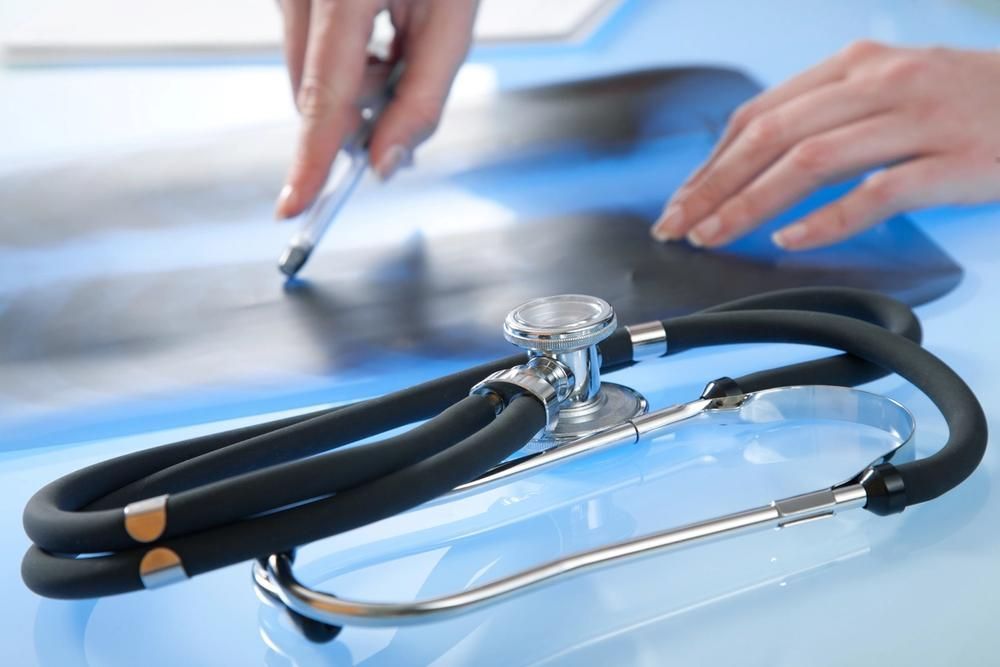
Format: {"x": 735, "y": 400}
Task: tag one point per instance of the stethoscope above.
{"x": 162, "y": 515}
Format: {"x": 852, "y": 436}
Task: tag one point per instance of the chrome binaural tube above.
{"x": 276, "y": 579}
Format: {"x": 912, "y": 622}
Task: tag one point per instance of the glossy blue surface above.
{"x": 918, "y": 588}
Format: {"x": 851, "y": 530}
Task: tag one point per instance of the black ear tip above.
{"x": 315, "y": 631}
{"x": 884, "y": 488}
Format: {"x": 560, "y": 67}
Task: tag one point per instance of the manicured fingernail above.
{"x": 789, "y": 237}
{"x": 287, "y": 200}
{"x": 705, "y": 231}
{"x": 668, "y": 227}
{"x": 391, "y": 161}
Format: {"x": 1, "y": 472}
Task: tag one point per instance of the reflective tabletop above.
{"x": 916, "y": 588}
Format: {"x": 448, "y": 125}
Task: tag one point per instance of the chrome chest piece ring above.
{"x": 561, "y": 335}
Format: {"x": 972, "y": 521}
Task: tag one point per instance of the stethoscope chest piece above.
{"x": 563, "y": 332}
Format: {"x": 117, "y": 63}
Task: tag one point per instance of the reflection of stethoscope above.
{"x": 161, "y": 515}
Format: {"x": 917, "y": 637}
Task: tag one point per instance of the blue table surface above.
{"x": 916, "y": 588}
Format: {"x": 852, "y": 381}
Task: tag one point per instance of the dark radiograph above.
{"x": 94, "y": 353}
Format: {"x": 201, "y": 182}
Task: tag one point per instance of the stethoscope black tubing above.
{"x": 82, "y": 512}
{"x": 223, "y": 478}
{"x": 263, "y": 489}
{"x": 844, "y": 370}
{"x": 60, "y": 576}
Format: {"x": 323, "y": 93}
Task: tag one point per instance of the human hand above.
{"x": 329, "y": 66}
{"x": 931, "y": 115}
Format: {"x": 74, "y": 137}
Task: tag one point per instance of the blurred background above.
{"x": 82, "y": 76}
{"x": 142, "y": 69}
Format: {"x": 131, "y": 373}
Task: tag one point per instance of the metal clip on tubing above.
{"x": 176, "y": 511}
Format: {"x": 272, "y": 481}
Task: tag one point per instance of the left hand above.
{"x": 931, "y": 115}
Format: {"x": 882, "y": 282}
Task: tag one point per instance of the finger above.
{"x": 761, "y": 143}
{"x": 914, "y": 184}
{"x": 830, "y": 70}
{"x": 435, "y": 40}
{"x": 807, "y": 166}
{"x": 826, "y": 72}
{"x": 332, "y": 74}
{"x": 296, "y": 27}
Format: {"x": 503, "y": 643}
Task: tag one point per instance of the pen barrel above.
{"x": 352, "y": 166}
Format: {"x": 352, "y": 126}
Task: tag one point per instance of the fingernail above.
{"x": 704, "y": 232}
{"x": 391, "y": 161}
{"x": 790, "y": 236}
{"x": 286, "y": 202}
{"x": 668, "y": 227}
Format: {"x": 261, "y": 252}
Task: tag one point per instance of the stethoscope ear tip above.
{"x": 315, "y": 631}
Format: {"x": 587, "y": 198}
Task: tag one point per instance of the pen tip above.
{"x": 292, "y": 260}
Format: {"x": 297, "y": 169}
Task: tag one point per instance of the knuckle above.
{"x": 738, "y": 212}
{"x": 742, "y": 116}
{"x": 814, "y": 156}
{"x": 752, "y": 205}
{"x": 317, "y": 98}
{"x": 763, "y": 131}
{"x": 903, "y": 71}
{"x": 426, "y": 113}
{"x": 703, "y": 197}
{"x": 932, "y": 112}
{"x": 839, "y": 222}
{"x": 311, "y": 161}
{"x": 862, "y": 50}
{"x": 868, "y": 85}
{"x": 422, "y": 114}
{"x": 883, "y": 189}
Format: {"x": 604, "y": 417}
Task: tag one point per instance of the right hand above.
{"x": 326, "y": 52}
{"x": 925, "y": 118}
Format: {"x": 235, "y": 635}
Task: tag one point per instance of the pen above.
{"x": 348, "y": 168}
